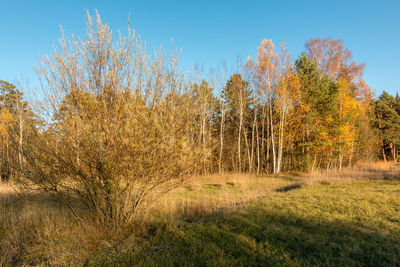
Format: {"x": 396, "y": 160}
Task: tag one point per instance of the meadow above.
{"x": 126, "y": 157}
{"x": 347, "y": 218}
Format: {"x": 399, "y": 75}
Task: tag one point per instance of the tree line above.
{"x": 118, "y": 126}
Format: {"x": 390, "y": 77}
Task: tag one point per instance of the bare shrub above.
{"x": 116, "y": 127}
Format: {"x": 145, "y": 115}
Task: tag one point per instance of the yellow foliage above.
{"x": 349, "y": 112}
{"x": 5, "y": 119}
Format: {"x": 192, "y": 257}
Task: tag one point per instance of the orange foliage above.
{"x": 333, "y": 59}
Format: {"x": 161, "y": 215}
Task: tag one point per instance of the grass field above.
{"x": 349, "y": 218}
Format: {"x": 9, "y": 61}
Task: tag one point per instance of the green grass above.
{"x": 346, "y": 224}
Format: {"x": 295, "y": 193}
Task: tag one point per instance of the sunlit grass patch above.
{"x": 344, "y": 224}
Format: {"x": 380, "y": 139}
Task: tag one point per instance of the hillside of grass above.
{"x": 335, "y": 219}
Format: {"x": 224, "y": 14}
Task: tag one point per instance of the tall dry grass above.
{"x": 36, "y": 229}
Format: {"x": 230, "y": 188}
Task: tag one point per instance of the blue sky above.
{"x": 210, "y": 32}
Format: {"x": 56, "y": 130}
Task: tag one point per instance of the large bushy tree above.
{"x": 118, "y": 126}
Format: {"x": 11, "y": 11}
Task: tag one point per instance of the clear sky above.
{"x": 210, "y": 32}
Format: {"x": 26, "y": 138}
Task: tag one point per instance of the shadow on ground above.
{"x": 289, "y": 187}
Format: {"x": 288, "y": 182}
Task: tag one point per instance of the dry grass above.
{"x": 361, "y": 171}
{"x": 37, "y": 229}
{"x": 7, "y": 189}
{"x": 228, "y": 192}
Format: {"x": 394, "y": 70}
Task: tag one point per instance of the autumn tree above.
{"x": 204, "y": 104}
{"x": 334, "y": 60}
{"x": 266, "y": 76}
{"x": 15, "y": 118}
{"x": 288, "y": 93}
{"x": 348, "y": 116}
{"x": 319, "y": 93}
{"x": 237, "y": 97}
{"x": 387, "y": 125}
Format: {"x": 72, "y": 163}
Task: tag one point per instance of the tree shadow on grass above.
{"x": 256, "y": 236}
{"x": 289, "y": 187}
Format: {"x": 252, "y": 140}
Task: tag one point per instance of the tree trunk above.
{"x": 340, "y": 160}
{"x": 263, "y": 134}
{"x": 240, "y": 132}
{"x": 20, "y": 137}
{"x": 383, "y": 151}
{"x": 351, "y": 153}
{"x": 221, "y": 137}
{"x": 280, "y": 142}
{"x": 258, "y": 150}
{"x": 248, "y": 148}
{"x": 253, "y": 131}
{"x": 272, "y": 138}
{"x": 204, "y": 140}
{"x": 393, "y": 148}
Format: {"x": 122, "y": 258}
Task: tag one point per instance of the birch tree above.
{"x": 267, "y": 77}
{"x": 237, "y": 98}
